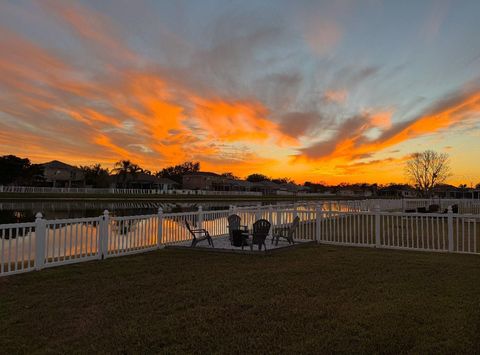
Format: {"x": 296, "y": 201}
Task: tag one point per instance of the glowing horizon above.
{"x": 328, "y": 92}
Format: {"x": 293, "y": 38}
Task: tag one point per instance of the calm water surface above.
{"x": 24, "y": 211}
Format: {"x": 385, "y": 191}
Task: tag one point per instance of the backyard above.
{"x": 310, "y": 299}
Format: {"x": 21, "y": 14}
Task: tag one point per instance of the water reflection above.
{"x": 24, "y": 211}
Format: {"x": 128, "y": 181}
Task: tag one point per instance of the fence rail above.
{"x": 45, "y": 243}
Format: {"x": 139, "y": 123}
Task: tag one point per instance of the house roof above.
{"x": 241, "y": 183}
{"x": 56, "y": 164}
{"x": 266, "y": 183}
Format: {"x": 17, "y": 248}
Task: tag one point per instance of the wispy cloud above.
{"x": 351, "y": 140}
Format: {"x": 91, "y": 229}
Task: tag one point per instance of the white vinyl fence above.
{"x": 45, "y": 243}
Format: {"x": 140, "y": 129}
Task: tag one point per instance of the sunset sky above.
{"x": 324, "y": 91}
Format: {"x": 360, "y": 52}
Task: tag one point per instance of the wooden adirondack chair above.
{"x": 199, "y": 235}
{"x": 236, "y": 232}
{"x": 259, "y": 234}
{"x": 286, "y": 232}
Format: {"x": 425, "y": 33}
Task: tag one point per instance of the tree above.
{"x": 427, "y": 169}
{"x": 257, "y": 178}
{"x": 95, "y": 175}
{"x": 19, "y": 171}
{"x": 230, "y": 175}
{"x": 125, "y": 168}
{"x": 477, "y": 186}
{"x": 12, "y": 167}
{"x": 284, "y": 180}
{"x": 176, "y": 172}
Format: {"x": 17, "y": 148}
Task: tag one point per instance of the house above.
{"x": 203, "y": 180}
{"x": 240, "y": 185}
{"x": 59, "y": 174}
{"x": 265, "y": 187}
{"x": 142, "y": 181}
{"x": 208, "y": 181}
{"x": 397, "y": 191}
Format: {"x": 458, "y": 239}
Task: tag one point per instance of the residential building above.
{"x": 142, "y": 181}
{"x": 59, "y": 174}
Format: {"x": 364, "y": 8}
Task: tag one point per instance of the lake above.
{"x": 25, "y": 210}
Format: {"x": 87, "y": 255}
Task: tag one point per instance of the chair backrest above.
{"x": 233, "y": 222}
{"x": 260, "y": 231}
{"x": 433, "y": 208}
{"x": 293, "y": 226}
{"x": 190, "y": 229}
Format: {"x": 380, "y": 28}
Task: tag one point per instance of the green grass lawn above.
{"x": 309, "y": 300}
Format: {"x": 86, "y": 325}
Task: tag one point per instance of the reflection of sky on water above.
{"x": 24, "y": 211}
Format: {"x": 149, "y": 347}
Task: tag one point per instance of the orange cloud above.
{"x": 351, "y": 141}
{"x": 237, "y": 121}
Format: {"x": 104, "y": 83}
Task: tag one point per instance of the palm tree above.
{"x": 125, "y": 168}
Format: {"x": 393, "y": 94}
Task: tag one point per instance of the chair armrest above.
{"x": 200, "y": 231}
{"x": 280, "y": 230}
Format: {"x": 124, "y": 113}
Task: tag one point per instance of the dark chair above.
{"x": 286, "y": 232}
{"x": 259, "y": 234}
{"x": 454, "y": 209}
{"x": 233, "y": 225}
{"x": 199, "y": 235}
{"x": 239, "y": 238}
{"x": 433, "y": 208}
{"x": 421, "y": 209}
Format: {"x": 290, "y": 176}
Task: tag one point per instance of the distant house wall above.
{"x": 142, "y": 181}
{"x": 197, "y": 182}
{"x": 207, "y": 181}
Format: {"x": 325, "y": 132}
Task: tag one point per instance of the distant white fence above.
{"x": 45, "y": 243}
{"x": 87, "y": 190}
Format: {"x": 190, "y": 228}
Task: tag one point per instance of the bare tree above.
{"x": 427, "y": 169}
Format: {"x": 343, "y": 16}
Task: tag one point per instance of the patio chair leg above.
{"x": 194, "y": 242}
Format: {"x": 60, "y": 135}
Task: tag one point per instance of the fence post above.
{"x": 450, "y": 228}
{"x": 159, "y": 226}
{"x": 40, "y": 235}
{"x": 377, "y": 226}
{"x": 103, "y": 237}
{"x": 279, "y": 217}
{"x": 270, "y": 219}
{"x": 318, "y": 221}
{"x": 200, "y": 217}
{"x": 258, "y": 213}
